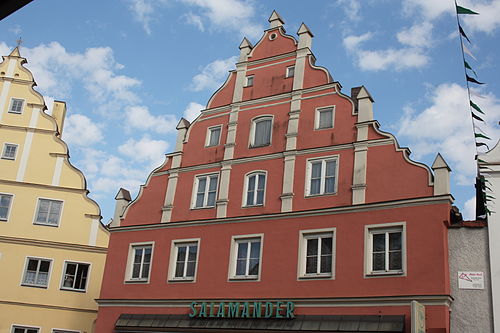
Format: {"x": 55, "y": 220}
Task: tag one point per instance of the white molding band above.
{"x": 25, "y": 156}
{"x": 56, "y": 179}
{"x": 94, "y": 228}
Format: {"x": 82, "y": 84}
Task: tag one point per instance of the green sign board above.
{"x": 252, "y": 309}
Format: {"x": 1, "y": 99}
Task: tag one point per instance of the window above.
{"x": 37, "y": 272}
{"x": 249, "y": 82}
{"x": 48, "y": 212}
{"x": 385, "y": 249}
{"x": 75, "y": 276}
{"x": 290, "y": 71}
{"x": 245, "y": 257}
{"x": 206, "y": 191}
{"x": 183, "y": 260}
{"x": 9, "y": 151}
{"x": 140, "y": 262}
{"x": 321, "y": 176}
{"x": 261, "y": 131}
{"x": 255, "y": 189}
{"x": 324, "y": 118}
{"x": 5, "y": 201}
{"x": 317, "y": 253}
{"x": 24, "y": 329}
{"x": 213, "y": 136}
{"x": 16, "y": 105}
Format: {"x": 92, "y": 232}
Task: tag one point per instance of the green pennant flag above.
{"x": 466, "y": 64}
{"x": 481, "y": 161}
{"x": 475, "y": 107}
{"x": 480, "y": 144}
{"x": 471, "y": 79}
{"x": 463, "y": 10}
{"x": 476, "y": 117}
{"x": 462, "y": 32}
{"x": 478, "y": 135}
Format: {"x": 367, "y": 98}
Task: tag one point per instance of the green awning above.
{"x": 182, "y": 323}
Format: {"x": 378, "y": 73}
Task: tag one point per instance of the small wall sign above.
{"x": 471, "y": 280}
{"x": 253, "y": 309}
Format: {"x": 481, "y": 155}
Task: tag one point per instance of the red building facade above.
{"x": 283, "y": 208}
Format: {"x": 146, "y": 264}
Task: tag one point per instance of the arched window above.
{"x": 255, "y": 187}
{"x": 261, "y": 131}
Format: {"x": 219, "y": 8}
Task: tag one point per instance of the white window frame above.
{"x": 324, "y": 159}
{"x": 12, "y": 103}
{"x": 25, "y": 270}
{"x": 235, "y": 240}
{"x": 25, "y": 327}
{"x": 209, "y": 135}
{"x": 130, "y": 262}
{"x": 4, "y": 150}
{"x": 63, "y": 275}
{"x": 39, "y": 200}
{"x": 290, "y": 71}
{"x": 304, "y": 235}
{"x": 245, "y": 192}
{"x": 205, "y": 195}
{"x": 379, "y": 228}
{"x": 9, "y": 208}
{"x": 61, "y": 330}
{"x": 317, "y": 117}
{"x": 253, "y": 128}
{"x": 176, "y": 243}
{"x": 249, "y": 80}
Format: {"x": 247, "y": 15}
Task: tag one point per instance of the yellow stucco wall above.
{"x": 41, "y": 169}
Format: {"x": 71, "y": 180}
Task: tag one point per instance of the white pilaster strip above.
{"x": 25, "y": 156}
{"x": 359, "y": 174}
{"x": 94, "y": 227}
{"x": 169, "y": 197}
{"x": 223, "y": 190}
{"x": 34, "y": 117}
{"x": 3, "y": 97}
{"x": 56, "y": 178}
{"x": 231, "y": 133}
{"x": 288, "y": 176}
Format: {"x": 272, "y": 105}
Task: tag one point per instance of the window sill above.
{"x": 181, "y": 280}
{"x": 259, "y": 146}
{"x": 74, "y": 290}
{"x": 204, "y": 207}
{"x": 46, "y": 224}
{"x": 385, "y": 274}
{"x": 252, "y": 206}
{"x": 244, "y": 278}
{"x": 14, "y": 112}
{"x": 316, "y": 277}
{"x": 136, "y": 281}
{"x": 320, "y": 195}
{"x": 8, "y": 158}
{"x": 33, "y": 286}
{"x": 322, "y": 128}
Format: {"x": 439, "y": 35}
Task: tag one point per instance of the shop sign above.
{"x": 470, "y": 280}
{"x": 252, "y": 309}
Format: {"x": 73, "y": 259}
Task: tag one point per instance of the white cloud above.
{"x": 144, "y": 12}
{"x": 430, "y": 9}
{"x": 139, "y": 117}
{"x": 213, "y": 74}
{"x": 193, "y": 110}
{"x": 195, "y": 20}
{"x": 145, "y": 150}
{"x": 55, "y": 69}
{"x": 81, "y": 130}
{"x": 469, "y": 212}
{"x": 352, "y": 43}
{"x": 446, "y": 127}
{"x": 419, "y": 35}
{"x": 229, "y": 14}
{"x": 487, "y": 21}
{"x": 16, "y": 30}
{"x": 351, "y": 9}
{"x": 397, "y": 59}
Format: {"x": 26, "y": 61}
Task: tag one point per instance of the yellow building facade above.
{"x": 52, "y": 243}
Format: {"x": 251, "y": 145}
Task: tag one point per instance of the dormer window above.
{"x": 249, "y": 82}
{"x": 290, "y": 71}
{"x": 16, "y": 105}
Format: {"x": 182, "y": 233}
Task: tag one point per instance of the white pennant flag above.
{"x": 466, "y": 50}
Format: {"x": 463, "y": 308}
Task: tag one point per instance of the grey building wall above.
{"x": 471, "y": 309}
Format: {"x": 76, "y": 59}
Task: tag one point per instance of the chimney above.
{"x": 441, "y": 176}
{"x": 122, "y": 200}
{"x": 59, "y": 113}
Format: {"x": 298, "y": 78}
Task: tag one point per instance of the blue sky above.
{"x": 129, "y": 69}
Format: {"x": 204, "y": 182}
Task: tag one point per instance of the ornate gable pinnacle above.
{"x": 275, "y": 20}
{"x": 245, "y": 43}
{"x": 15, "y": 52}
{"x": 440, "y": 163}
{"x": 304, "y": 29}
{"x": 183, "y": 123}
